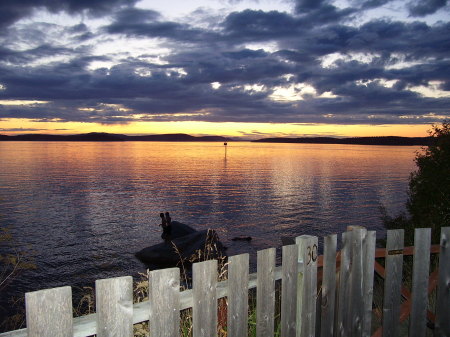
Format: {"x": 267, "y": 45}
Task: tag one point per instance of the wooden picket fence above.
{"x": 329, "y": 295}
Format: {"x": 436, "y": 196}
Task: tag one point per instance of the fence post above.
{"x": 419, "y": 294}
{"x": 343, "y": 320}
{"x": 204, "y": 309}
{"x": 393, "y": 282}
{"x": 368, "y": 272}
{"x": 114, "y": 306}
{"x": 328, "y": 286}
{"x": 265, "y": 293}
{"x": 356, "y": 300}
{"x": 289, "y": 290}
{"x": 49, "y": 312}
{"x": 307, "y": 285}
{"x": 164, "y": 298}
{"x": 237, "y": 320}
{"x": 443, "y": 293}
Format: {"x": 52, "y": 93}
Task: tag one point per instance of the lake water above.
{"x": 84, "y": 209}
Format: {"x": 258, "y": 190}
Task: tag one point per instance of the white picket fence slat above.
{"x": 237, "y": 315}
{"x": 344, "y": 308}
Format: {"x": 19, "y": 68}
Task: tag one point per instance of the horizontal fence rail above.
{"x": 329, "y": 295}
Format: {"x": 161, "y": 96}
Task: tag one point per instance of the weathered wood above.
{"x": 328, "y": 286}
{"x": 407, "y": 251}
{"x": 369, "y": 244}
{"x": 289, "y": 290}
{"x": 307, "y": 285}
{"x": 164, "y": 296}
{"x": 393, "y": 282}
{"x": 238, "y": 295}
{"x": 204, "y": 309}
{"x": 421, "y": 268}
{"x": 49, "y": 312}
{"x": 114, "y": 307}
{"x": 343, "y": 319}
{"x": 443, "y": 291}
{"x": 328, "y": 298}
{"x": 265, "y": 293}
{"x": 86, "y": 325}
{"x": 356, "y": 300}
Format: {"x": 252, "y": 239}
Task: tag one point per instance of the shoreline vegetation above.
{"x": 110, "y": 137}
{"x": 181, "y": 137}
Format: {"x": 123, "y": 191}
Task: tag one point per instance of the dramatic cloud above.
{"x": 426, "y": 7}
{"x": 122, "y": 61}
{"x": 13, "y": 10}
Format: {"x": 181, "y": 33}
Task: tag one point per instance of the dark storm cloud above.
{"x": 14, "y": 10}
{"x": 309, "y": 5}
{"x": 416, "y": 8}
{"x": 250, "y": 25}
{"x": 148, "y": 23}
{"x": 407, "y": 54}
{"x": 230, "y": 67}
{"x": 370, "y": 3}
{"x": 425, "y": 7}
{"x": 42, "y": 51}
{"x": 245, "y": 54}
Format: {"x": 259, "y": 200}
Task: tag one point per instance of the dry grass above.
{"x": 211, "y": 250}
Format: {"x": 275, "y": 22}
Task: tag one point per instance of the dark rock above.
{"x": 180, "y": 229}
{"x": 194, "y": 247}
{"x": 242, "y": 238}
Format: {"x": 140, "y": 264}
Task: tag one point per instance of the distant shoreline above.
{"x": 109, "y": 137}
{"x": 181, "y": 137}
{"x": 383, "y": 140}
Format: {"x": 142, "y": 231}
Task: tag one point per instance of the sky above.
{"x": 239, "y": 68}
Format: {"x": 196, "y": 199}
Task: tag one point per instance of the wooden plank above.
{"x": 421, "y": 269}
{"x": 328, "y": 286}
{"x": 49, "y": 312}
{"x": 381, "y": 252}
{"x": 356, "y": 299}
{"x": 405, "y": 309}
{"x": 204, "y": 309}
{"x": 114, "y": 306}
{"x": 265, "y": 293}
{"x": 443, "y": 288}
{"x": 368, "y": 272}
{"x": 164, "y": 296}
{"x": 343, "y": 319}
{"x": 289, "y": 291}
{"x": 406, "y": 306}
{"x": 86, "y": 325}
{"x": 393, "y": 282}
{"x": 238, "y": 267}
{"x": 307, "y": 285}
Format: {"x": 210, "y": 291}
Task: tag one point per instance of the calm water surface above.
{"x": 86, "y": 208}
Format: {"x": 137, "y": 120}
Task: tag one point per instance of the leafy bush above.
{"x": 428, "y": 202}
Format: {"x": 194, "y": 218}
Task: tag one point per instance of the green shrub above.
{"x": 428, "y": 202}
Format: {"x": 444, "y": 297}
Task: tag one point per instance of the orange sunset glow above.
{"x": 227, "y": 129}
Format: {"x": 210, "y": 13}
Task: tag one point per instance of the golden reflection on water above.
{"x": 84, "y": 205}
{"x": 178, "y": 173}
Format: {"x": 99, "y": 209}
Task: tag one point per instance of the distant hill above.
{"x": 89, "y": 137}
{"x": 182, "y": 137}
{"x": 389, "y": 140}
{"x": 108, "y": 137}
{"x": 177, "y": 137}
